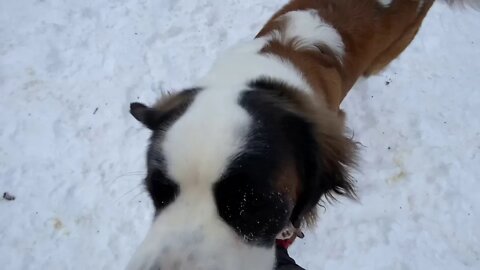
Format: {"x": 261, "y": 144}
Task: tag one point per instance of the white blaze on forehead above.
{"x": 308, "y": 30}
{"x": 200, "y": 144}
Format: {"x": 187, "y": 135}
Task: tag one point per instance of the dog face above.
{"x": 227, "y": 171}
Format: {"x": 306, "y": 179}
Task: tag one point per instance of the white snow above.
{"x": 74, "y": 157}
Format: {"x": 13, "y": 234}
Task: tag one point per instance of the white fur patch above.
{"x": 189, "y": 235}
{"x": 199, "y": 145}
{"x": 243, "y": 63}
{"x": 385, "y": 3}
{"x": 307, "y": 29}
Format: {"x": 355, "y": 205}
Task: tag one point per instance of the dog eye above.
{"x": 162, "y": 190}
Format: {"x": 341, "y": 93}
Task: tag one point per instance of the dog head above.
{"x": 229, "y": 169}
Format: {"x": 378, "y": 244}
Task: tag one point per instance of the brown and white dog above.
{"x": 254, "y": 146}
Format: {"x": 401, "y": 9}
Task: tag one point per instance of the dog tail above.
{"x": 464, "y": 3}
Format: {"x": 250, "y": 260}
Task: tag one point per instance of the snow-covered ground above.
{"x": 74, "y": 158}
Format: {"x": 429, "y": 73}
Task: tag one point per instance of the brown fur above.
{"x": 373, "y": 37}
{"x": 169, "y": 102}
{"x": 338, "y": 151}
{"x": 288, "y": 181}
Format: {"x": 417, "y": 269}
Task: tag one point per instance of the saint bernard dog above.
{"x": 248, "y": 152}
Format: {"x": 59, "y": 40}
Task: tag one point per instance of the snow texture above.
{"x": 74, "y": 158}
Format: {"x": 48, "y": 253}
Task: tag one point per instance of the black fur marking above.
{"x": 144, "y": 114}
{"x": 321, "y": 172}
{"x": 251, "y": 206}
{"x": 246, "y": 196}
{"x": 304, "y": 146}
{"x": 162, "y": 190}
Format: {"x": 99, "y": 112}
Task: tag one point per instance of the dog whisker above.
{"x": 134, "y": 173}
{"x": 140, "y": 185}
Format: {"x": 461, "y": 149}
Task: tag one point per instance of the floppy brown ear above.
{"x": 338, "y": 156}
{"x": 323, "y": 163}
{"x": 147, "y": 116}
{"x": 322, "y": 153}
{"x": 165, "y": 110}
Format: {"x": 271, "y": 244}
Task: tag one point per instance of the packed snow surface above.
{"x": 73, "y": 157}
